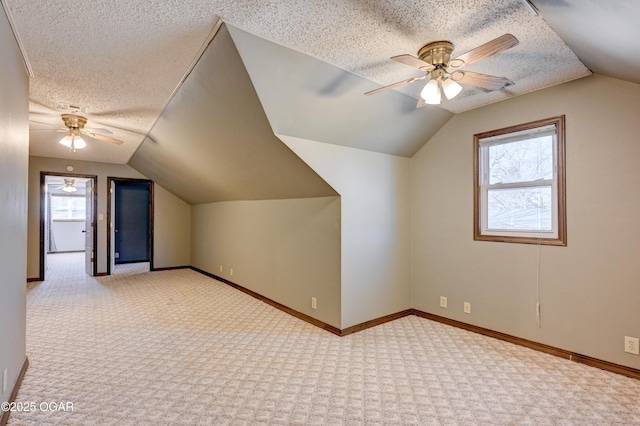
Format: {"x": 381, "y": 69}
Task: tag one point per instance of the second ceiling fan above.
{"x": 434, "y": 59}
{"x": 75, "y": 131}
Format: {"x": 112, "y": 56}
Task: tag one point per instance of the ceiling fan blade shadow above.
{"x": 102, "y": 137}
{"x": 397, "y": 84}
{"x": 484, "y": 81}
{"x": 500, "y": 44}
{"x": 414, "y": 62}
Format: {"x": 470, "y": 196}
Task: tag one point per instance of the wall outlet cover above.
{"x": 632, "y": 345}
{"x": 443, "y": 302}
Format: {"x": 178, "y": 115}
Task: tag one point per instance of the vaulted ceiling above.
{"x": 308, "y": 64}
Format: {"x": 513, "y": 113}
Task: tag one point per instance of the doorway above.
{"x": 130, "y": 218}
{"x": 68, "y": 220}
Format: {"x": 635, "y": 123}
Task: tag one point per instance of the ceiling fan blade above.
{"x": 421, "y": 102}
{"x": 48, "y": 130}
{"x": 102, "y": 137}
{"x": 484, "y": 81}
{"x": 412, "y": 61}
{"x": 399, "y": 83}
{"x": 59, "y": 129}
{"x": 100, "y": 131}
{"x": 497, "y": 45}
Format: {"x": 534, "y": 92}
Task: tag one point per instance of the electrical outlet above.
{"x": 231, "y": 271}
{"x": 4, "y": 381}
{"x": 220, "y": 268}
{"x": 443, "y": 302}
{"x": 467, "y": 307}
{"x": 632, "y": 345}
{"x": 314, "y": 303}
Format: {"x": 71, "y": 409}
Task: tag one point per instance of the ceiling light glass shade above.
{"x": 431, "y": 93}
{"x": 451, "y": 88}
{"x": 74, "y": 142}
{"x": 68, "y": 185}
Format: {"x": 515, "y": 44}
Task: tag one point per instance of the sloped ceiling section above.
{"x": 213, "y": 142}
{"x": 604, "y": 35}
{"x": 311, "y": 99}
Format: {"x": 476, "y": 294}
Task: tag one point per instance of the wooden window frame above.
{"x": 561, "y": 238}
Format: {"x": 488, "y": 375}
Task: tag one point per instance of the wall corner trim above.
{"x": 23, "y": 51}
{"x": 4, "y": 417}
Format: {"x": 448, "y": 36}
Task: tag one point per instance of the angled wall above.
{"x": 375, "y": 224}
{"x": 213, "y": 142}
{"x": 14, "y": 149}
{"x": 310, "y": 99}
{"x": 588, "y": 290}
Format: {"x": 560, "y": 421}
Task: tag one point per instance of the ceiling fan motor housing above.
{"x": 436, "y": 53}
{"x": 73, "y": 121}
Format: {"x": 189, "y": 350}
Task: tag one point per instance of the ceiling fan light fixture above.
{"x": 73, "y": 142}
{"x": 68, "y": 185}
{"x": 431, "y": 92}
{"x": 450, "y": 88}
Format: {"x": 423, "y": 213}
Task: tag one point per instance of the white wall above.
{"x": 286, "y": 250}
{"x": 589, "y": 289}
{"x": 375, "y": 222}
{"x": 172, "y": 213}
{"x": 14, "y": 152}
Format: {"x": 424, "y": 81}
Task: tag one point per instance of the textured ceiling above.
{"x": 122, "y": 60}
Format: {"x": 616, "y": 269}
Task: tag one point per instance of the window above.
{"x": 519, "y": 184}
{"x": 68, "y": 207}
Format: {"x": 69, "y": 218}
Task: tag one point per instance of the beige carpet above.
{"x": 175, "y": 347}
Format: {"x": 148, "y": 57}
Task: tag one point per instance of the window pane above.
{"x": 520, "y": 209}
{"x": 67, "y": 207}
{"x": 521, "y": 161}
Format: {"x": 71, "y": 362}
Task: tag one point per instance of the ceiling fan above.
{"x": 434, "y": 59}
{"x": 69, "y": 185}
{"x": 75, "y": 132}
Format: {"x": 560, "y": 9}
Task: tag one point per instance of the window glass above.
{"x": 65, "y": 207}
{"x": 521, "y": 161}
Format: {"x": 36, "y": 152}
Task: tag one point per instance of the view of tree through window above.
{"x": 519, "y": 183}
{"x": 529, "y": 207}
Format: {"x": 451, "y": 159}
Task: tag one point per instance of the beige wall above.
{"x": 286, "y": 250}
{"x": 375, "y": 222}
{"x": 589, "y": 289}
{"x": 14, "y": 152}
{"x": 172, "y": 214}
{"x": 172, "y": 224}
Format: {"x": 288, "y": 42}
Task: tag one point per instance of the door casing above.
{"x": 110, "y": 213}
{"x": 43, "y": 192}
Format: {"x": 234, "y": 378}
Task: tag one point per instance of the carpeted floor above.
{"x": 176, "y": 347}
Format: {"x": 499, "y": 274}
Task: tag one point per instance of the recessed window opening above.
{"x": 519, "y": 184}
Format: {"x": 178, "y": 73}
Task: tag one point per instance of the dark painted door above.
{"x": 132, "y": 221}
